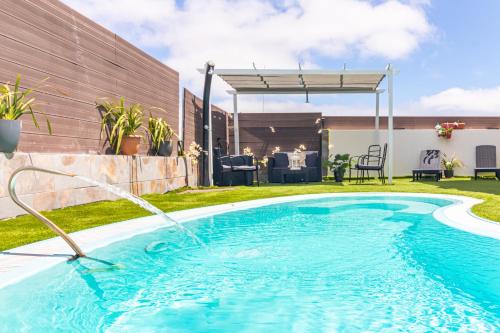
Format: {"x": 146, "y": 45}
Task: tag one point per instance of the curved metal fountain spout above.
{"x": 32, "y": 211}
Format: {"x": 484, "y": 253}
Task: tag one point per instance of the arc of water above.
{"x": 108, "y": 187}
{"x": 141, "y": 203}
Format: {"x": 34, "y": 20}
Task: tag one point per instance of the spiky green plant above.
{"x": 160, "y": 131}
{"x": 15, "y": 103}
{"x": 450, "y": 163}
{"x": 121, "y": 120}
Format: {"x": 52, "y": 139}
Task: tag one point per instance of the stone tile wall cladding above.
{"x": 139, "y": 175}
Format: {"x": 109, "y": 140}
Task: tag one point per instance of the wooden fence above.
{"x": 83, "y": 62}
{"x": 193, "y": 122}
{"x": 262, "y": 132}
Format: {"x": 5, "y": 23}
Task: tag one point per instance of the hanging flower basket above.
{"x": 445, "y": 130}
{"x": 454, "y": 125}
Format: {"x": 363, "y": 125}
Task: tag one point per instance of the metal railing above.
{"x": 32, "y": 211}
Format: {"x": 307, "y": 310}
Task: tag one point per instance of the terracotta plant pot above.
{"x": 448, "y": 135}
{"x": 461, "y": 126}
{"x": 130, "y": 145}
{"x": 10, "y": 130}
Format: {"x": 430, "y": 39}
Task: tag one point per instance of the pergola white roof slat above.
{"x": 254, "y": 81}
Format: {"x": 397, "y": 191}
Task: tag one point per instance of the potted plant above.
{"x": 15, "y": 103}
{"x": 338, "y": 166}
{"x": 450, "y": 164}
{"x": 123, "y": 122}
{"x": 444, "y": 130}
{"x": 161, "y": 136}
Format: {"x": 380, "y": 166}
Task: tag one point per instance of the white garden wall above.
{"x": 409, "y": 143}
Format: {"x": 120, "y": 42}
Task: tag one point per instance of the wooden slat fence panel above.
{"x": 290, "y": 131}
{"x": 193, "y": 121}
{"x": 83, "y": 61}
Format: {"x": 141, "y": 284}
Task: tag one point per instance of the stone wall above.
{"x": 139, "y": 175}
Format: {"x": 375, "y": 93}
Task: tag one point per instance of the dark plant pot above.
{"x": 448, "y": 173}
{"x": 130, "y": 145}
{"x": 10, "y": 130}
{"x": 339, "y": 176}
{"x": 165, "y": 149}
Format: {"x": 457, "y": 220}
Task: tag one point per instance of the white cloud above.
{"x": 463, "y": 101}
{"x": 235, "y": 33}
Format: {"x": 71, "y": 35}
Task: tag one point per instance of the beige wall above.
{"x": 139, "y": 175}
{"x": 409, "y": 143}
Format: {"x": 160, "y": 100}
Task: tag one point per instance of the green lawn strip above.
{"x": 26, "y": 229}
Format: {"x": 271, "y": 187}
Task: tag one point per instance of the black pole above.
{"x": 209, "y": 70}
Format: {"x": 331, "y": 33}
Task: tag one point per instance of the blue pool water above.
{"x": 371, "y": 264}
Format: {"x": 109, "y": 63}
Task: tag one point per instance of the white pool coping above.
{"x": 21, "y": 262}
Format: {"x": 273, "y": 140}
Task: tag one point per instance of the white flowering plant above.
{"x": 248, "y": 151}
{"x": 300, "y": 149}
{"x": 194, "y": 152}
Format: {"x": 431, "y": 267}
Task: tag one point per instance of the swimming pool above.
{"x": 343, "y": 264}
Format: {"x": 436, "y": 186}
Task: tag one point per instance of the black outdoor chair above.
{"x": 373, "y": 156}
{"x": 430, "y": 164}
{"x": 278, "y": 169}
{"x": 277, "y": 165}
{"x": 486, "y": 160}
{"x": 377, "y": 164}
{"x": 313, "y": 167}
{"x": 234, "y": 170}
{"x": 242, "y": 167}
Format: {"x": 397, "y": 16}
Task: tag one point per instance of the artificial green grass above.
{"x": 26, "y": 229}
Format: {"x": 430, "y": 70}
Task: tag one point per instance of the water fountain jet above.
{"x": 110, "y": 188}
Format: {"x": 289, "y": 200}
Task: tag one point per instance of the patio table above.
{"x": 302, "y": 174}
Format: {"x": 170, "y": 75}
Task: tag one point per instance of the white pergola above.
{"x": 300, "y": 81}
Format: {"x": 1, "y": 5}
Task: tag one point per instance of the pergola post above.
{"x": 390, "y": 124}
{"x": 206, "y": 176}
{"x": 210, "y": 149}
{"x": 236, "y": 126}
{"x": 377, "y": 117}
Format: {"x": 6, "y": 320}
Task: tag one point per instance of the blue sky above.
{"x": 447, "y": 51}
{"x": 464, "y": 52}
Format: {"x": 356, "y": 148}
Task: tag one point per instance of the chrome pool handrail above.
{"x": 32, "y": 211}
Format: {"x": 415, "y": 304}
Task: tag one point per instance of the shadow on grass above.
{"x": 490, "y": 186}
{"x": 323, "y": 183}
